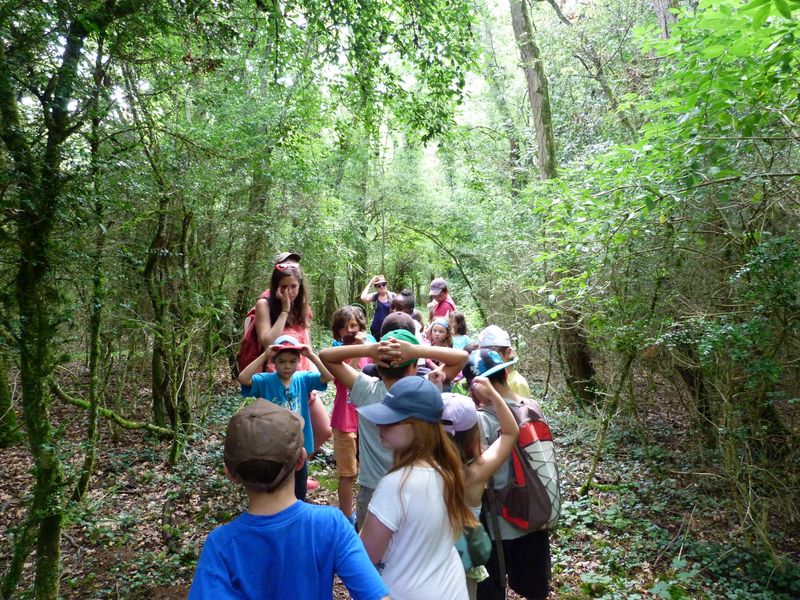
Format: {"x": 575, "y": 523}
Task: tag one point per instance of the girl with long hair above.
{"x": 418, "y": 509}
{"x": 458, "y": 330}
{"x": 479, "y": 464}
{"x": 285, "y": 310}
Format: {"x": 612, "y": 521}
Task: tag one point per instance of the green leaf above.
{"x": 783, "y": 8}
{"x": 761, "y": 17}
{"x": 756, "y": 3}
{"x": 713, "y": 51}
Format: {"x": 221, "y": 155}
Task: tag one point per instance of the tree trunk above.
{"x": 40, "y": 189}
{"x": 98, "y": 295}
{"x": 599, "y": 75}
{"x": 39, "y": 180}
{"x": 665, "y": 17}
{"x": 95, "y": 319}
{"x": 538, "y": 94}
{"x": 579, "y": 373}
{"x": 256, "y": 239}
{"x": 330, "y": 299}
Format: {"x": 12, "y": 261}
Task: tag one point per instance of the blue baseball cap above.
{"x": 412, "y": 396}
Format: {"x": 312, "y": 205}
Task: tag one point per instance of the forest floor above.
{"x": 651, "y": 527}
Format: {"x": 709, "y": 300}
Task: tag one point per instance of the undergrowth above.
{"x": 655, "y": 523}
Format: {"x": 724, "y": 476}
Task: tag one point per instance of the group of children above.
{"x": 422, "y": 458}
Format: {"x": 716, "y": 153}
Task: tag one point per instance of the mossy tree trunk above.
{"x": 579, "y": 369}
{"x": 38, "y": 178}
{"x": 98, "y": 295}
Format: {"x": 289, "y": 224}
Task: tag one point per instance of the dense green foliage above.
{"x": 157, "y": 154}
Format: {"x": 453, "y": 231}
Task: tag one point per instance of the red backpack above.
{"x": 531, "y": 500}
{"x": 249, "y": 348}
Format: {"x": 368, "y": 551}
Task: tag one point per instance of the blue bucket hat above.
{"x": 484, "y": 362}
{"x": 410, "y": 397}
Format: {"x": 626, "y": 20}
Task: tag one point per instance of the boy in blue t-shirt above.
{"x": 287, "y": 387}
{"x": 280, "y": 548}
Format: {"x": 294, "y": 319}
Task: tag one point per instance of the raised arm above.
{"x": 246, "y": 376}
{"x": 266, "y": 330}
{"x": 496, "y": 454}
{"x": 336, "y": 360}
{"x": 452, "y": 360}
{"x": 366, "y": 297}
{"x": 324, "y": 374}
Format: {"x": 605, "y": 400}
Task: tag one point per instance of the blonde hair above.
{"x": 447, "y": 342}
{"x": 432, "y": 445}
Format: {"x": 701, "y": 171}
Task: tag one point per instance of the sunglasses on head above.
{"x": 284, "y": 266}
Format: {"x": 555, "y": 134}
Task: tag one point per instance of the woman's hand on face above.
{"x": 283, "y": 296}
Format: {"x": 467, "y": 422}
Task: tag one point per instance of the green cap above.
{"x": 403, "y": 335}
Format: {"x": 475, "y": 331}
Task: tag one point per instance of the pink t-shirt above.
{"x": 344, "y": 416}
{"x": 444, "y": 307}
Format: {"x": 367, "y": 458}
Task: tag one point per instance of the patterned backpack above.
{"x": 531, "y": 500}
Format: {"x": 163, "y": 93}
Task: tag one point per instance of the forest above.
{"x": 615, "y": 183}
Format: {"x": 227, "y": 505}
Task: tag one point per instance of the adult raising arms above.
{"x": 382, "y": 298}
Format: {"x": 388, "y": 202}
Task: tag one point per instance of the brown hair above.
{"x": 342, "y": 317}
{"x": 432, "y": 445}
{"x": 468, "y": 444}
{"x": 298, "y": 313}
{"x": 459, "y": 323}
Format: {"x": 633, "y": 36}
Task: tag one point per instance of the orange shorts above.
{"x": 345, "y": 444}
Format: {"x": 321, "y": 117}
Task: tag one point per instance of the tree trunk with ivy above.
{"x": 38, "y": 177}
{"x": 579, "y": 369}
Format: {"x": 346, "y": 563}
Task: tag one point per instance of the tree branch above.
{"x": 447, "y": 251}
{"x": 108, "y": 414}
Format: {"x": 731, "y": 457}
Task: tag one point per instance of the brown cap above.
{"x": 264, "y": 431}
{"x": 380, "y": 279}
{"x": 286, "y": 256}
{"x": 437, "y": 286}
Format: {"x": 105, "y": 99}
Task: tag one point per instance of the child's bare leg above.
{"x": 345, "y": 492}
{"x": 345, "y": 448}
{"x": 320, "y": 423}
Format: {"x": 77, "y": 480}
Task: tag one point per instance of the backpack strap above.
{"x": 494, "y": 527}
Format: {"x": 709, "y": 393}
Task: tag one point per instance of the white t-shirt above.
{"x": 420, "y": 562}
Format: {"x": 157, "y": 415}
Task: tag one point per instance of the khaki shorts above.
{"x": 344, "y": 452}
